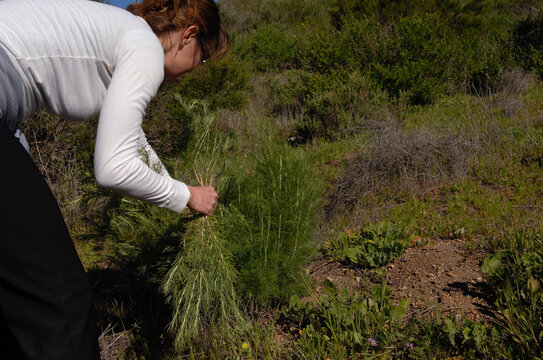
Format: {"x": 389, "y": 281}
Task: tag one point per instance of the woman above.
{"x": 79, "y": 59}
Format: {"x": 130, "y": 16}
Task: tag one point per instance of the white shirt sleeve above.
{"x": 138, "y": 73}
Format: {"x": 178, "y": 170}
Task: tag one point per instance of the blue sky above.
{"x": 120, "y": 3}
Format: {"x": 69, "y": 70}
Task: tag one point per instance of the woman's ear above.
{"x": 189, "y": 35}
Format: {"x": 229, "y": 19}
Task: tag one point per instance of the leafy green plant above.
{"x": 373, "y": 246}
{"x": 470, "y": 338}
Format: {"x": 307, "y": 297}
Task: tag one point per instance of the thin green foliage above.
{"x": 200, "y": 285}
{"x": 516, "y": 272}
{"x": 278, "y": 198}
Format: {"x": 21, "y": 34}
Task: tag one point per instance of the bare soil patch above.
{"x": 444, "y": 273}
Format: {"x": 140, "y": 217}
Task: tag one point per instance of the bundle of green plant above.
{"x": 347, "y": 324}
{"x": 411, "y": 161}
{"x": 373, "y": 246}
{"x": 200, "y": 286}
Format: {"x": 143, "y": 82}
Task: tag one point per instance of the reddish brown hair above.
{"x": 166, "y": 15}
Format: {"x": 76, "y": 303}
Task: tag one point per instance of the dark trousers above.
{"x": 46, "y": 309}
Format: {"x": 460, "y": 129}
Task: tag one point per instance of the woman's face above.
{"x": 182, "y": 52}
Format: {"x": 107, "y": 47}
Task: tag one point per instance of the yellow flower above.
{"x": 244, "y": 346}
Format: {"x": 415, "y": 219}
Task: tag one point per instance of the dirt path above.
{"x": 443, "y": 272}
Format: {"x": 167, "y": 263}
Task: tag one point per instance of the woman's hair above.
{"x": 166, "y": 15}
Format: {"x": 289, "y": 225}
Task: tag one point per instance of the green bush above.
{"x": 418, "y": 58}
{"x": 422, "y": 61}
{"x": 330, "y": 106}
{"x": 242, "y": 16}
{"x": 272, "y": 238}
{"x": 221, "y": 84}
{"x": 528, "y": 44}
{"x": 267, "y": 48}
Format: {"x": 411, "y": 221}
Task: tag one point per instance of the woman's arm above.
{"x": 117, "y": 165}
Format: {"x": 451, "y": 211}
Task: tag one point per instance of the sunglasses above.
{"x": 205, "y": 53}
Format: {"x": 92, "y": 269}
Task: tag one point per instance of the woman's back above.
{"x": 66, "y": 51}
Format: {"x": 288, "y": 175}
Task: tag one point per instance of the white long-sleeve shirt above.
{"x": 80, "y": 58}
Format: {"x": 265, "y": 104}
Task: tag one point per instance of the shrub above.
{"x": 528, "y": 43}
{"x": 330, "y": 106}
{"x": 242, "y": 16}
{"x": 408, "y": 161}
{"x": 221, "y": 84}
{"x": 201, "y": 284}
{"x": 272, "y": 240}
{"x": 421, "y": 61}
{"x": 267, "y": 48}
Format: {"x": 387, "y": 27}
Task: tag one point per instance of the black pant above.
{"x": 45, "y": 297}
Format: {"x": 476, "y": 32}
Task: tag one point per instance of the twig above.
{"x": 323, "y": 265}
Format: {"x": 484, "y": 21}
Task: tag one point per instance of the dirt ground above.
{"x": 443, "y": 272}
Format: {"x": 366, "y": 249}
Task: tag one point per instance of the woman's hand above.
{"x": 203, "y": 199}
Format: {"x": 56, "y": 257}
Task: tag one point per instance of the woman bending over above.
{"x": 79, "y": 59}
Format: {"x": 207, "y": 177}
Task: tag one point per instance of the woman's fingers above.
{"x": 203, "y": 199}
